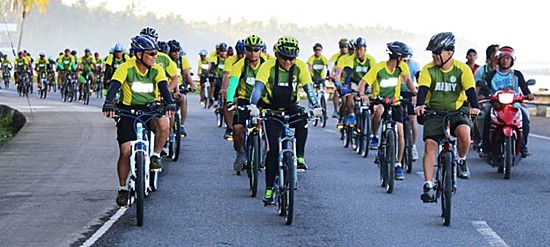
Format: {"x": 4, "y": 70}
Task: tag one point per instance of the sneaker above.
{"x": 351, "y": 119}
{"x": 239, "y": 161}
{"x": 414, "y": 153}
{"x": 228, "y": 134}
{"x": 156, "y": 164}
{"x": 183, "y": 132}
{"x": 463, "y": 171}
{"x": 122, "y": 198}
{"x": 399, "y": 175}
{"x": 428, "y": 194}
{"x": 301, "y": 164}
{"x": 525, "y": 154}
{"x": 335, "y": 114}
{"x": 210, "y": 103}
{"x": 373, "y": 142}
{"x": 268, "y": 197}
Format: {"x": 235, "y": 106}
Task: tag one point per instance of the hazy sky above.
{"x": 515, "y": 23}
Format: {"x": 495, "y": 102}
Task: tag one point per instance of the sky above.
{"x": 483, "y": 22}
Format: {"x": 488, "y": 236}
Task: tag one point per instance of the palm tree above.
{"x": 26, "y": 7}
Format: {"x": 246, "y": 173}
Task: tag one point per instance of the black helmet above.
{"x": 397, "y": 49}
{"x": 317, "y": 45}
{"x": 442, "y": 41}
{"x": 174, "y": 45}
{"x": 221, "y": 47}
{"x": 360, "y": 42}
{"x": 163, "y": 47}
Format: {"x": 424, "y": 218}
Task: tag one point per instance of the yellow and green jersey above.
{"x": 447, "y": 87}
{"x": 229, "y": 62}
{"x": 247, "y": 77}
{"x": 67, "y": 63}
{"x": 21, "y": 64}
{"x": 86, "y": 63}
{"x": 42, "y": 65}
{"x": 281, "y": 86}
{"x": 359, "y": 68}
{"x": 169, "y": 66}
{"x": 219, "y": 64}
{"x": 183, "y": 64}
{"x": 116, "y": 62}
{"x": 6, "y": 64}
{"x": 386, "y": 83}
{"x": 319, "y": 65}
{"x": 138, "y": 88}
{"x": 99, "y": 63}
{"x": 203, "y": 64}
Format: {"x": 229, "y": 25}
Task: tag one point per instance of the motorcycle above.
{"x": 506, "y": 130}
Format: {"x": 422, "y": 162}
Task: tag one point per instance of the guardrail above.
{"x": 541, "y": 103}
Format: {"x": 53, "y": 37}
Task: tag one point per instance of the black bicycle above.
{"x": 6, "y": 76}
{"x": 287, "y": 178}
{"x": 252, "y": 139}
{"x": 408, "y": 135}
{"x": 446, "y": 169}
{"x": 387, "y": 148}
{"x": 362, "y": 129}
{"x": 320, "y": 92}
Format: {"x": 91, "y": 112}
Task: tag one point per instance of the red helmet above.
{"x": 506, "y": 51}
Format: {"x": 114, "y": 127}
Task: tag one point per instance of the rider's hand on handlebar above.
{"x": 530, "y": 97}
{"x": 108, "y": 109}
{"x": 254, "y": 111}
{"x": 317, "y": 111}
{"x": 170, "y": 109}
{"x": 474, "y": 111}
{"x": 365, "y": 98}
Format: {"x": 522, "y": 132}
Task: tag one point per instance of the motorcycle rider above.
{"x": 504, "y": 77}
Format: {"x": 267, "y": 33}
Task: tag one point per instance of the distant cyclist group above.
{"x": 257, "y": 97}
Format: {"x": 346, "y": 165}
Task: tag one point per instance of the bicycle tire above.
{"x": 447, "y": 190}
{"x": 254, "y": 164}
{"x": 358, "y": 135}
{"x": 140, "y": 187}
{"x": 290, "y": 182}
{"x": 366, "y": 121}
{"x": 407, "y": 152}
{"x": 219, "y": 116}
{"x": 347, "y": 140}
{"x": 177, "y": 138}
{"x": 324, "y": 106}
{"x": 509, "y": 148}
{"x": 390, "y": 160}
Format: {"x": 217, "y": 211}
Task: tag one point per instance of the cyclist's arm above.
{"x": 165, "y": 92}
{"x": 308, "y": 88}
{"x": 472, "y": 97}
{"x": 187, "y": 74}
{"x": 113, "y": 90}
{"x": 231, "y": 88}
{"x": 174, "y": 84}
{"x": 107, "y": 74}
{"x": 349, "y": 72}
{"x": 421, "y": 95}
{"x": 257, "y": 92}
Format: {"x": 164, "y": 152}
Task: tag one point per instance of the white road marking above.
{"x": 104, "y": 228}
{"x": 541, "y": 137}
{"x": 490, "y": 236}
{"x": 331, "y": 131}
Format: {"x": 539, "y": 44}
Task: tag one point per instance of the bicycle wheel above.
{"x": 175, "y": 148}
{"x": 407, "y": 152}
{"x": 447, "y": 190}
{"x": 324, "y": 106}
{"x": 290, "y": 182}
{"x": 358, "y": 136}
{"x": 140, "y": 186}
{"x": 219, "y": 116}
{"x": 390, "y": 160}
{"x": 254, "y": 163}
{"x": 366, "y": 128}
{"x": 348, "y": 135}
{"x": 509, "y": 151}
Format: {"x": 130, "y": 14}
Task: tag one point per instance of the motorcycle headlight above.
{"x": 506, "y": 98}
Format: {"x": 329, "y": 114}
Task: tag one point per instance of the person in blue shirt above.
{"x": 414, "y": 69}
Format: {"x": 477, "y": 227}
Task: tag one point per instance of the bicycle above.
{"x": 320, "y": 91}
{"x": 68, "y": 91}
{"x": 386, "y": 157}
{"x": 22, "y": 86}
{"x": 44, "y": 85}
{"x": 287, "y": 178}
{"x": 362, "y": 129}
{"x": 86, "y": 90}
{"x": 408, "y": 135}
{"x": 141, "y": 181}
{"x": 99, "y": 85}
{"x": 253, "y": 147}
{"x": 446, "y": 168}
{"x": 6, "y": 76}
{"x": 174, "y": 138}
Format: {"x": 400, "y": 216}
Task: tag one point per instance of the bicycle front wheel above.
{"x": 290, "y": 183}
{"x": 324, "y": 106}
{"x": 407, "y": 154}
{"x": 447, "y": 183}
{"x": 366, "y": 129}
{"x": 177, "y": 138}
{"x": 254, "y": 164}
{"x": 140, "y": 186}
{"x": 390, "y": 160}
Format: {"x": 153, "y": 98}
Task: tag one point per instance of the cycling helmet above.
{"x": 397, "y": 49}
{"x": 507, "y": 51}
{"x": 317, "y": 45}
{"x": 239, "y": 47}
{"x": 163, "y": 47}
{"x": 143, "y": 43}
{"x": 221, "y": 47}
{"x": 409, "y": 53}
{"x": 343, "y": 42}
{"x": 203, "y": 52}
{"x": 86, "y": 50}
{"x": 351, "y": 44}
{"x": 264, "y": 47}
{"x": 118, "y": 47}
{"x": 230, "y": 51}
{"x": 253, "y": 41}
{"x": 287, "y": 46}
{"x": 441, "y": 41}
{"x": 73, "y": 52}
{"x": 111, "y": 50}
{"x": 20, "y": 53}
{"x": 174, "y": 45}
{"x": 42, "y": 54}
{"x": 360, "y": 42}
{"x": 150, "y": 32}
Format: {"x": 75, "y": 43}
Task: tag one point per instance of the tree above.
{"x": 26, "y": 7}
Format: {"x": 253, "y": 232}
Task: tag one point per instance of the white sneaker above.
{"x": 414, "y": 153}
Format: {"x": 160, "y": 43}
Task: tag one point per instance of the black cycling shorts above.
{"x": 125, "y": 125}
{"x": 240, "y": 116}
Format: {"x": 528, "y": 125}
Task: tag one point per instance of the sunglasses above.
{"x": 317, "y": 50}
{"x": 343, "y": 46}
{"x": 436, "y": 53}
{"x": 151, "y": 53}
{"x": 252, "y": 49}
{"x": 287, "y": 58}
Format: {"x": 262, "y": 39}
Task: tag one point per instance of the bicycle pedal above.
{"x": 156, "y": 170}
{"x": 123, "y": 207}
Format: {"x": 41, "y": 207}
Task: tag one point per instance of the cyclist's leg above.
{"x": 125, "y": 134}
{"x": 335, "y": 101}
{"x": 273, "y": 130}
{"x": 183, "y": 107}
{"x": 377, "y": 118}
{"x": 460, "y": 126}
{"x": 397, "y": 116}
{"x": 161, "y": 128}
{"x": 239, "y": 120}
{"x": 433, "y": 133}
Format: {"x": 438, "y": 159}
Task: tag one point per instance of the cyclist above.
{"x": 85, "y": 67}
{"x": 277, "y": 83}
{"x": 41, "y": 67}
{"x": 217, "y": 64}
{"x": 386, "y": 78}
{"x": 355, "y": 66}
{"x": 317, "y": 64}
{"x": 66, "y": 64}
{"x": 228, "y": 66}
{"x": 202, "y": 71}
{"x": 5, "y": 66}
{"x": 471, "y": 56}
{"x": 21, "y": 65}
{"x": 414, "y": 69}
{"x": 184, "y": 69}
{"x": 444, "y": 85}
{"x": 112, "y": 62}
{"x": 99, "y": 67}
{"x": 139, "y": 81}
{"x": 504, "y": 77}
{"x": 241, "y": 84}
{"x": 343, "y": 44}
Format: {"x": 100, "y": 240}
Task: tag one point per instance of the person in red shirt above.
{"x": 471, "y": 55}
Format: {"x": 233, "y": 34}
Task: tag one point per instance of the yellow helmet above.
{"x": 253, "y": 41}
{"x": 287, "y": 46}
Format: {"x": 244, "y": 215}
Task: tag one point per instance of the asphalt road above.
{"x": 201, "y": 202}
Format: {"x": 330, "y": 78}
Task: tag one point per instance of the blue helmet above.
{"x": 239, "y": 47}
{"x": 203, "y": 52}
{"x": 163, "y": 47}
{"x": 143, "y": 43}
{"x": 118, "y": 47}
